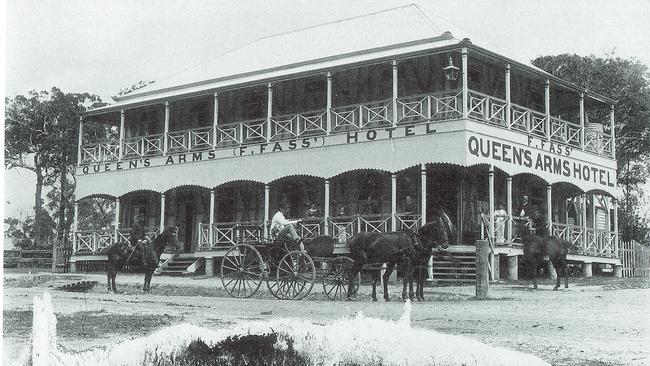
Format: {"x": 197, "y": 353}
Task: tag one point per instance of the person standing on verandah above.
{"x": 500, "y": 219}
{"x": 283, "y": 228}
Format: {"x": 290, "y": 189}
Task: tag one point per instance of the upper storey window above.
{"x": 254, "y": 105}
{"x": 199, "y": 114}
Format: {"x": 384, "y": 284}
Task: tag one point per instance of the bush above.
{"x": 252, "y": 349}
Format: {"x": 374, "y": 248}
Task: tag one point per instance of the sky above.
{"x": 103, "y": 46}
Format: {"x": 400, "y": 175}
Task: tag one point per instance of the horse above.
{"x": 540, "y": 244}
{"x": 120, "y": 254}
{"x": 440, "y": 232}
{"x": 394, "y": 248}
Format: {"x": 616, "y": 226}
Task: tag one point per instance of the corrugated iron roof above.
{"x": 352, "y": 40}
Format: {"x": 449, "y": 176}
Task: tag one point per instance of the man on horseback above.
{"x": 284, "y": 229}
{"x": 138, "y": 236}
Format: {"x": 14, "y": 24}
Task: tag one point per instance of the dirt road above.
{"x": 600, "y": 321}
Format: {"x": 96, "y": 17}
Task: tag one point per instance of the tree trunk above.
{"x": 40, "y": 235}
{"x": 61, "y": 237}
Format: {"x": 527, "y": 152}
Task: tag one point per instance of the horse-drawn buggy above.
{"x": 290, "y": 273}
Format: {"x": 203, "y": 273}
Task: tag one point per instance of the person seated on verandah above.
{"x": 312, "y": 211}
{"x": 282, "y": 228}
{"x": 409, "y": 208}
{"x": 369, "y": 207}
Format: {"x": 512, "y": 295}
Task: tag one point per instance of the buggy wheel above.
{"x": 276, "y": 287}
{"x": 295, "y": 275}
{"x": 242, "y": 269}
{"x": 336, "y": 281}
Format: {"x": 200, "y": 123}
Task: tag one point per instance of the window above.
{"x": 199, "y": 114}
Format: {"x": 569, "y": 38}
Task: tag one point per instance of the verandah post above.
{"x": 211, "y": 221}
{"x": 326, "y": 208}
{"x": 393, "y": 202}
{"x": 166, "y": 133}
{"x": 328, "y": 128}
{"x": 395, "y": 91}
{"x": 582, "y": 121}
{"x": 508, "y": 97}
{"x": 269, "y": 110}
{"x": 162, "y": 213}
{"x": 549, "y": 208}
{"x": 80, "y": 141}
{"x": 122, "y": 122}
{"x": 117, "y": 219}
{"x": 465, "y": 85}
{"x": 509, "y": 204}
{"x": 547, "y": 108}
{"x": 215, "y": 120}
{"x": 266, "y": 210}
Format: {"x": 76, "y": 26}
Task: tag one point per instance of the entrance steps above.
{"x": 457, "y": 265}
{"x": 181, "y": 265}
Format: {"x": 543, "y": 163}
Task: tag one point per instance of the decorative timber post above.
{"x": 269, "y": 110}
{"x": 266, "y": 210}
{"x": 328, "y": 128}
{"x": 122, "y": 122}
{"x": 465, "y": 85}
{"x": 326, "y": 208}
{"x": 80, "y": 141}
{"x": 395, "y": 91}
{"x": 166, "y": 133}
{"x": 393, "y": 202}
{"x": 215, "y": 122}
{"x": 508, "y": 99}
{"x": 211, "y": 221}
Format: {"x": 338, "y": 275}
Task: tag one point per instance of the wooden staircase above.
{"x": 457, "y": 265}
{"x": 181, "y": 265}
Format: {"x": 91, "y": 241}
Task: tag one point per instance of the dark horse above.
{"x": 394, "y": 248}
{"x": 120, "y": 254}
{"x": 440, "y": 232}
{"x": 539, "y": 245}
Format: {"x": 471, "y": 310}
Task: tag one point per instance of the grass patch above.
{"x": 36, "y": 280}
{"x": 87, "y": 324}
{"x": 252, "y": 349}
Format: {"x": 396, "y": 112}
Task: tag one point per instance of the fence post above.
{"x": 482, "y": 275}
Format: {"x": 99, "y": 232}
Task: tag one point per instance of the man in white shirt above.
{"x": 281, "y": 227}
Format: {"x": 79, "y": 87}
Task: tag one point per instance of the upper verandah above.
{"x": 373, "y": 37}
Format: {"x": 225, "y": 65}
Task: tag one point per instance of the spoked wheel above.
{"x": 242, "y": 269}
{"x": 295, "y": 275}
{"x": 275, "y": 286}
{"x": 336, "y": 281}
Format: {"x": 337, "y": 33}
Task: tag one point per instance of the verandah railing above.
{"x": 438, "y": 106}
{"x": 341, "y": 227}
{"x": 93, "y": 241}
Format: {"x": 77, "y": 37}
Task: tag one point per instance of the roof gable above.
{"x": 391, "y": 27}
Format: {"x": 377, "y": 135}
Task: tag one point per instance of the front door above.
{"x": 188, "y": 222}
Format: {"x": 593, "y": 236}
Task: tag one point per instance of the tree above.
{"x": 41, "y": 132}
{"x": 626, "y": 81}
